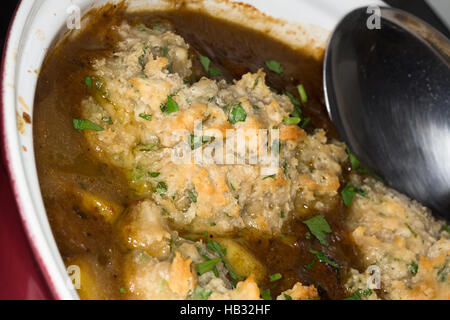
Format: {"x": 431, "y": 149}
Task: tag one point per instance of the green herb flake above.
{"x": 302, "y": 93}
{"x": 293, "y": 99}
{"x": 192, "y": 196}
{"x": 285, "y": 167}
{"x": 271, "y": 177}
{"x": 154, "y": 174}
{"x": 310, "y": 265}
{"x": 322, "y": 258}
{"x": 443, "y": 271}
{"x": 308, "y": 236}
{"x": 201, "y": 293}
{"x": 275, "y": 277}
{"x": 348, "y": 193}
{"x": 292, "y": 120}
{"x": 282, "y": 214}
{"x": 357, "y": 295}
{"x": 82, "y": 124}
{"x": 161, "y": 187}
{"x": 206, "y": 63}
{"x": 353, "y": 160}
{"x": 274, "y": 66}
{"x": 146, "y": 116}
{"x": 142, "y": 60}
{"x": 207, "y": 265}
{"x": 413, "y": 267}
{"x": 123, "y": 290}
{"x": 237, "y": 114}
{"x": 446, "y": 228}
{"x": 266, "y": 295}
{"x": 411, "y": 230}
{"x": 287, "y": 297}
{"x": 305, "y": 122}
{"x": 170, "y": 106}
{"x": 197, "y": 141}
{"x": 88, "y": 81}
{"x": 141, "y": 27}
{"x": 319, "y": 227}
{"x": 370, "y": 173}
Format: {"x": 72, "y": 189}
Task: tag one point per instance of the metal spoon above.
{"x": 388, "y": 93}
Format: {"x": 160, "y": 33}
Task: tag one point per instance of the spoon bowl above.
{"x": 387, "y": 91}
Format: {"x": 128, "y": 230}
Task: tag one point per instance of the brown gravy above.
{"x": 64, "y": 161}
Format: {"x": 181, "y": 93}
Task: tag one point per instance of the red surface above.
{"x": 20, "y": 276}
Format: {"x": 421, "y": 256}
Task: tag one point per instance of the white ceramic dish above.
{"x": 34, "y": 28}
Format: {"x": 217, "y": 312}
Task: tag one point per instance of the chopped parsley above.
{"x": 282, "y": 215}
{"x": 141, "y": 27}
{"x": 353, "y": 160}
{"x": 82, "y": 124}
{"x": 193, "y": 196}
{"x": 170, "y": 106}
{"x": 206, "y": 63}
{"x": 348, "y": 193}
{"x": 357, "y": 295}
{"x": 154, "y": 174}
{"x": 411, "y": 230}
{"x": 197, "y": 141}
{"x": 302, "y": 93}
{"x": 143, "y": 58}
{"x": 319, "y": 227}
{"x": 123, "y": 290}
{"x": 88, "y": 81}
{"x": 305, "y": 122}
{"x": 285, "y": 167}
{"x": 287, "y": 297}
{"x": 292, "y": 120}
{"x": 201, "y": 293}
{"x": 371, "y": 173}
{"x": 293, "y": 99}
{"x": 237, "y": 114}
{"x": 275, "y": 277}
{"x": 146, "y": 116}
{"x": 207, "y": 265}
{"x": 443, "y": 272}
{"x": 446, "y": 228}
{"x": 274, "y": 66}
{"x": 356, "y": 166}
{"x": 310, "y": 265}
{"x": 161, "y": 187}
{"x": 322, "y": 258}
{"x": 308, "y": 236}
{"x": 148, "y": 147}
{"x": 271, "y": 177}
{"x": 216, "y": 247}
{"x": 266, "y": 295}
{"x": 413, "y": 267}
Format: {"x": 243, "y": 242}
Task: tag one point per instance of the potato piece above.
{"x": 90, "y": 287}
{"x": 241, "y": 261}
{"x": 97, "y": 205}
{"x": 142, "y": 227}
